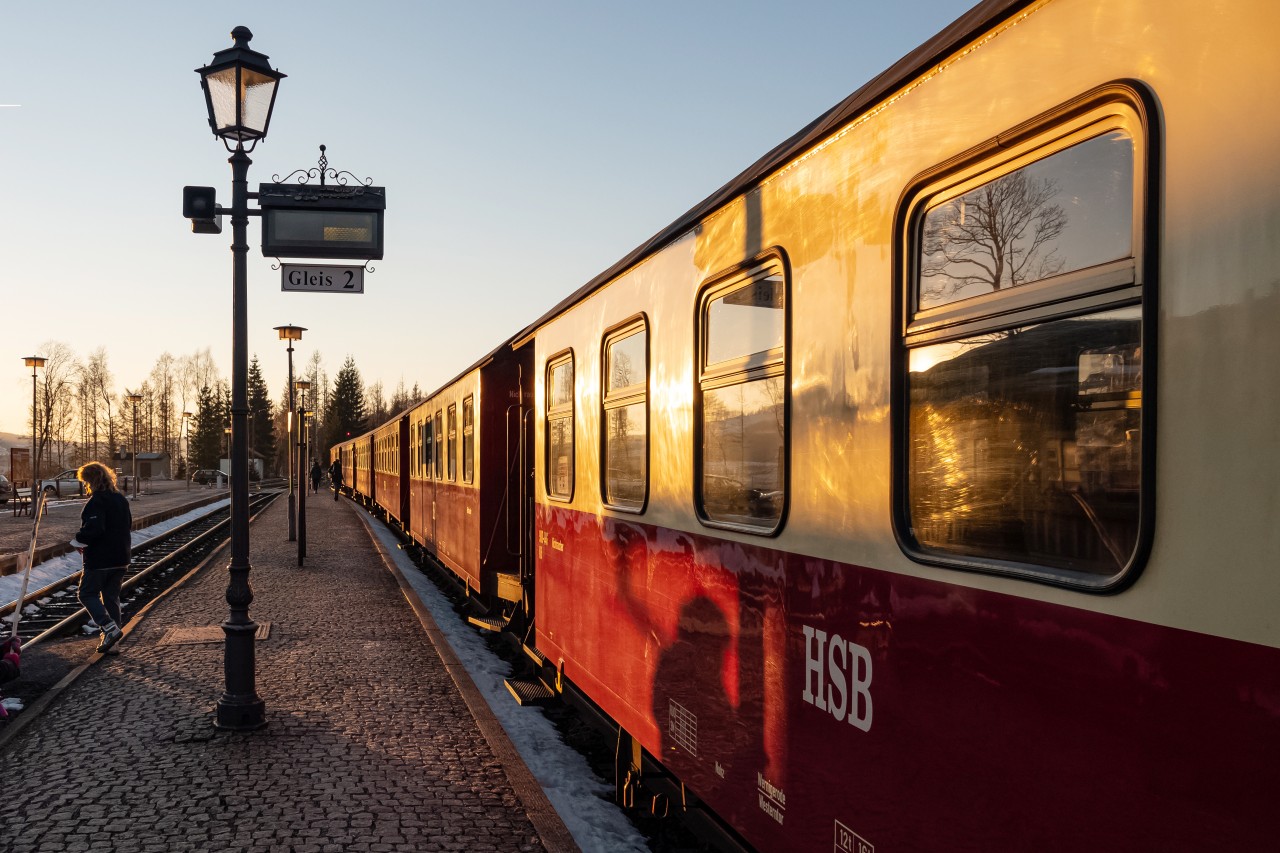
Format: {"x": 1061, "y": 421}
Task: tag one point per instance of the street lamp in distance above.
{"x": 35, "y": 362}
{"x": 240, "y": 93}
{"x": 135, "y": 399}
{"x": 291, "y": 334}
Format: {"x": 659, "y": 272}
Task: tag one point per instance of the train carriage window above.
{"x": 742, "y": 454}
{"x": 560, "y": 400}
{"x": 1024, "y": 429}
{"x": 439, "y": 445}
{"x": 626, "y": 417}
{"x": 426, "y": 448}
{"x": 451, "y": 451}
{"x": 468, "y": 440}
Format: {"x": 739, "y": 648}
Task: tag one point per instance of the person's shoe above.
{"x": 111, "y": 634}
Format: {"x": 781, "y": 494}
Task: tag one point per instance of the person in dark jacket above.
{"x": 104, "y": 540}
{"x": 316, "y": 473}
{"x": 335, "y": 477}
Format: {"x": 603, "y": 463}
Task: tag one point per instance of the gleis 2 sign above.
{"x": 314, "y": 278}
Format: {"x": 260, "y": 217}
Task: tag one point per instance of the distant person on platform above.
{"x": 105, "y": 542}
{"x": 335, "y": 477}
{"x": 316, "y": 473}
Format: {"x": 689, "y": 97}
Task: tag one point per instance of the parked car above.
{"x": 205, "y": 476}
{"x": 6, "y": 489}
{"x": 65, "y": 485}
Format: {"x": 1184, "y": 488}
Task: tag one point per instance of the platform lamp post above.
{"x": 35, "y": 362}
{"x": 186, "y": 448}
{"x": 135, "y": 399}
{"x": 291, "y": 334}
{"x": 303, "y": 387}
{"x": 240, "y": 91}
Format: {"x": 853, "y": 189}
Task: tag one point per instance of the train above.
{"x": 919, "y": 489}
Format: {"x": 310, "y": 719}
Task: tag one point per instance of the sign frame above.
{"x": 321, "y": 278}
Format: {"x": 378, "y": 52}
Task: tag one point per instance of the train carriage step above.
{"x": 530, "y": 691}
{"x": 488, "y": 623}
{"x": 509, "y": 587}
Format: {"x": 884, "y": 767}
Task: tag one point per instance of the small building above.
{"x": 151, "y": 466}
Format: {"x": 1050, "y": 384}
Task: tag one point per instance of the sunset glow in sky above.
{"x": 525, "y": 148}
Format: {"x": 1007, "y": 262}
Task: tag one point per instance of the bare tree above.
{"x": 98, "y": 381}
{"x": 197, "y": 371}
{"x": 165, "y": 381}
{"x": 403, "y": 398}
{"x": 999, "y": 235}
{"x": 375, "y": 402}
{"x": 56, "y": 404}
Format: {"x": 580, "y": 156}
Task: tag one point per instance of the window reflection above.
{"x": 468, "y": 439}
{"x": 1025, "y": 444}
{"x": 452, "y": 449}
{"x": 743, "y": 452}
{"x": 426, "y": 448}
{"x": 560, "y": 385}
{"x": 560, "y": 429}
{"x": 748, "y": 320}
{"x": 626, "y": 439}
{"x": 628, "y": 362}
{"x": 439, "y": 445}
{"x": 560, "y": 457}
{"x": 626, "y": 449}
{"x": 1066, "y": 212}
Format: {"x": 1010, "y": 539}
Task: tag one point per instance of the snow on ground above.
{"x": 57, "y": 568}
{"x": 597, "y": 825}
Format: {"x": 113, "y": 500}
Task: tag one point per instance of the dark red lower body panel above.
{"x": 816, "y": 705}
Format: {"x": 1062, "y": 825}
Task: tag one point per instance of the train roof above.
{"x": 964, "y": 29}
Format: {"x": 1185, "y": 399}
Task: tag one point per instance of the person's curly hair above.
{"x": 97, "y": 477}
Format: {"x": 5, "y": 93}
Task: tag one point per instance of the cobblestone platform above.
{"x": 370, "y": 743}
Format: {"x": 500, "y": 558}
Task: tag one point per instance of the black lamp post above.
{"x": 291, "y": 334}
{"x": 35, "y": 362}
{"x": 240, "y": 92}
{"x": 135, "y": 399}
{"x": 303, "y": 387}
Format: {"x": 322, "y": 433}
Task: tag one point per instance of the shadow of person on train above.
{"x": 698, "y": 725}
{"x": 626, "y": 551}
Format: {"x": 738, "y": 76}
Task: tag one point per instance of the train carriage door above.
{"x": 519, "y": 462}
{"x": 437, "y": 476}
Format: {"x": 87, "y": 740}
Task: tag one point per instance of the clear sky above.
{"x": 525, "y": 148}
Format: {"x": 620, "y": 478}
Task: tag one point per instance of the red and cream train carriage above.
{"x": 389, "y": 461}
{"x": 464, "y": 498}
{"x": 848, "y": 504}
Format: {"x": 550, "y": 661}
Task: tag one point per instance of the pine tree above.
{"x": 260, "y": 423}
{"x": 345, "y": 415}
{"x": 207, "y": 431}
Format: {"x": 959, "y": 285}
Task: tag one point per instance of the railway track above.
{"x": 155, "y": 565}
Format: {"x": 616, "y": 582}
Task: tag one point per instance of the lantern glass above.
{"x": 257, "y": 91}
{"x": 241, "y": 100}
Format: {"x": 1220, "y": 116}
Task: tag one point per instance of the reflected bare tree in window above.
{"x": 999, "y": 236}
